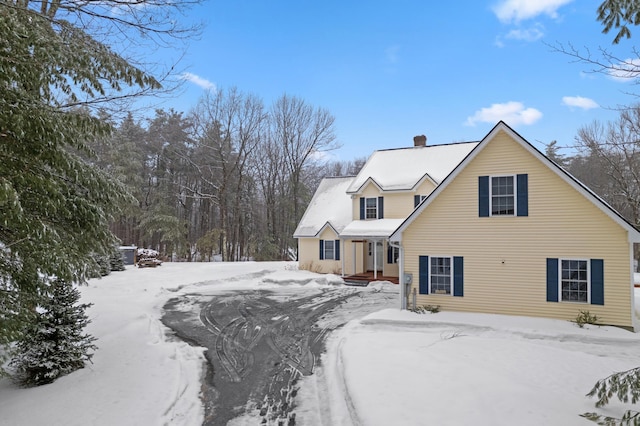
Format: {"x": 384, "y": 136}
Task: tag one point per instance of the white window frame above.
{"x": 588, "y": 263}
{"x": 333, "y": 250}
{"x": 515, "y": 196}
{"x": 367, "y": 208}
{"x": 450, "y": 276}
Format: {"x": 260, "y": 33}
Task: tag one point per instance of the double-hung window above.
{"x": 502, "y": 196}
{"x": 575, "y": 280}
{"x": 329, "y": 250}
{"x": 506, "y": 195}
{"x": 440, "y": 275}
{"x": 371, "y": 208}
{"x": 574, "y": 284}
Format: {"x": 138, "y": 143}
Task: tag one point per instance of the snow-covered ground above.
{"x": 390, "y": 367}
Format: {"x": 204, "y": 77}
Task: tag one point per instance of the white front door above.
{"x": 377, "y": 253}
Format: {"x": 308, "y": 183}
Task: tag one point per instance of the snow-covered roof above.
{"x": 330, "y": 206}
{"x": 402, "y": 169}
{"x": 370, "y": 228}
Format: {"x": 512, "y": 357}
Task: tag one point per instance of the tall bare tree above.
{"x": 302, "y": 131}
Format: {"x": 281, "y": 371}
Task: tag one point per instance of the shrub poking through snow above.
{"x": 54, "y": 344}
{"x": 434, "y": 309}
{"x": 585, "y": 317}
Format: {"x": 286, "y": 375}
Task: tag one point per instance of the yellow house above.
{"x": 346, "y": 226}
{"x": 510, "y": 232}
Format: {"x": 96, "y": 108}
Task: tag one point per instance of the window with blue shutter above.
{"x": 423, "y": 274}
{"x": 597, "y": 282}
{"x": 416, "y": 200}
{"x": 458, "y": 276}
{"x": 552, "y": 280}
{"x": 483, "y": 196}
{"x": 522, "y": 186}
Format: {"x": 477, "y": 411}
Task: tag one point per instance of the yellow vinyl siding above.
{"x": 309, "y": 254}
{"x": 397, "y": 205}
{"x": 505, "y": 257}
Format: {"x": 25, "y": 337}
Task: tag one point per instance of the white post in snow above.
{"x": 342, "y": 257}
{"x": 375, "y": 259}
{"x": 354, "y": 258}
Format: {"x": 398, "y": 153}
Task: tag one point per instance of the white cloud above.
{"x": 579, "y": 102}
{"x": 199, "y": 81}
{"x": 512, "y": 113}
{"x": 627, "y": 70}
{"x": 530, "y": 34}
{"x": 520, "y": 10}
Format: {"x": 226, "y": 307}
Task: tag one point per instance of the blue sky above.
{"x": 389, "y": 71}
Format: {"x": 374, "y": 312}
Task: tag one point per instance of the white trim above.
{"x": 515, "y": 196}
{"x": 450, "y": 276}
{"x": 588, "y": 262}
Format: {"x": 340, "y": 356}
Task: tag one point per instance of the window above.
{"x": 329, "y": 249}
{"x": 574, "y": 284}
{"x": 502, "y": 196}
{"x": 371, "y": 208}
{"x": 417, "y": 199}
{"x": 440, "y": 275}
{"x": 392, "y": 254}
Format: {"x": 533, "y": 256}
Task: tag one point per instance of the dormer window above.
{"x": 371, "y": 208}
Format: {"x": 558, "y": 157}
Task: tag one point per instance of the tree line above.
{"x": 228, "y": 180}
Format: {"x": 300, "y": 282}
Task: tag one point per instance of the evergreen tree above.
{"x": 116, "y": 261}
{"x": 56, "y": 68}
{"x": 54, "y": 344}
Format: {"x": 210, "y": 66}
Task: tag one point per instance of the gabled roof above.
{"x": 634, "y": 234}
{"x": 403, "y": 169}
{"x": 330, "y": 206}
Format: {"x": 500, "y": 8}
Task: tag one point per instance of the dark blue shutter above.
{"x": 552, "y": 280}
{"x": 597, "y": 282}
{"x": 389, "y": 254}
{"x": 423, "y": 273}
{"x": 361, "y": 208}
{"x": 483, "y": 196}
{"x": 416, "y": 201}
{"x": 321, "y": 249}
{"x": 380, "y": 207}
{"x": 523, "y": 195}
{"x": 336, "y": 248}
{"x": 458, "y": 276}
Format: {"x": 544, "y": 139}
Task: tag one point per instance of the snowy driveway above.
{"x": 261, "y": 342}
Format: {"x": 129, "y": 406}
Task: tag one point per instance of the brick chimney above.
{"x": 420, "y": 140}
